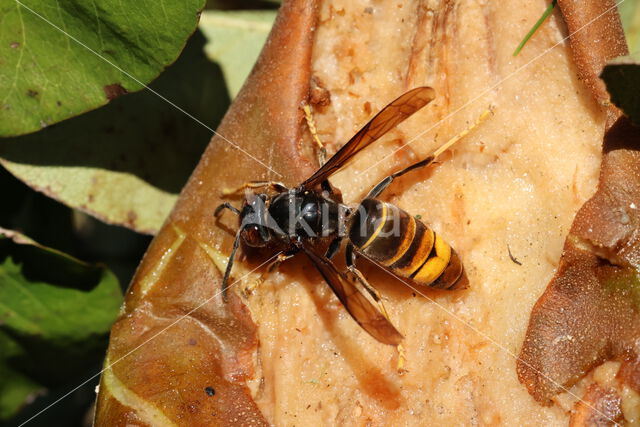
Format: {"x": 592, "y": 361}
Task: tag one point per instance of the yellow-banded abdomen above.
{"x": 403, "y": 244}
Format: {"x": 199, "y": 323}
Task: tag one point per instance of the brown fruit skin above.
{"x": 157, "y": 377}
{"x": 601, "y": 246}
{"x": 600, "y": 407}
{"x": 596, "y": 37}
{"x": 598, "y": 323}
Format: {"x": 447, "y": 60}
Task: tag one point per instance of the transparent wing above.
{"x": 388, "y": 118}
{"x": 357, "y": 304}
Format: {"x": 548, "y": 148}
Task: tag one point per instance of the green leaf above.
{"x": 55, "y": 313}
{"x": 244, "y": 5}
{"x": 60, "y": 59}
{"x": 622, "y": 77}
{"x": 126, "y": 163}
{"x": 235, "y": 39}
{"x": 630, "y": 14}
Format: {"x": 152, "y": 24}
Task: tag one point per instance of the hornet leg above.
{"x": 351, "y": 266}
{"x": 273, "y": 185}
{"x": 224, "y": 206}
{"x": 273, "y": 265}
{"x": 333, "y": 247}
{"x": 311, "y": 124}
{"x": 322, "y": 151}
{"x": 382, "y": 185}
{"x": 227, "y": 272}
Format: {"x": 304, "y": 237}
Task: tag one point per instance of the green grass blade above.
{"x": 535, "y": 27}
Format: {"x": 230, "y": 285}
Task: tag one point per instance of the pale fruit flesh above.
{"x": 504, "y": 197}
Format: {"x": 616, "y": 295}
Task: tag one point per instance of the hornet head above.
{"x": 254, "y": 219}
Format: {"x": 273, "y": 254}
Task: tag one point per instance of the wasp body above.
{"x": 311, "y": 218}
{"x": 404, "y": 244}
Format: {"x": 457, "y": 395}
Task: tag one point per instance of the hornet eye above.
{"x": 254, "y": 236}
